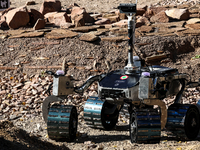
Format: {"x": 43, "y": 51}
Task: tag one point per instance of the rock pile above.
{"x": 160, "y": 19}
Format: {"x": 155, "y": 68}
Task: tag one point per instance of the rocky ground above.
{"x": 23, "y": 83}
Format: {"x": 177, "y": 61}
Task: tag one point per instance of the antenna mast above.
{"x": 130, "y": 10}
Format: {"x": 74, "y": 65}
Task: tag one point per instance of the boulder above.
{"x": 17, "y": 18}
{"x": 161, "y": 17}
{"x": 79, "y": 21}
{"x": 40, "y": 24}
{"x": 142, "y": 21}
{"x": 34, "y": 16}
{"x": 76, "y": 11}
{"x": 50, "y": 6}
{"x": 179, "y": 14}
{"x": 57, "y": 18}
{"x": 79, "y": 11}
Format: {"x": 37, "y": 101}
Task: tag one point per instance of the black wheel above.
{"x": 62, "y": 122}
{"x": 133, "y": 126}
{"x": 109, "y": 120}
{"x": 192, "y": 123}
{"x": 145, "y": 126}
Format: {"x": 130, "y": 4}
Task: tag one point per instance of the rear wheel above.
{"x": 192, "y": 123}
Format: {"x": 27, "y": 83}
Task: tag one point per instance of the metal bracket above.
{"x": 163, "y": 108}
{"x": 46, "y": 104}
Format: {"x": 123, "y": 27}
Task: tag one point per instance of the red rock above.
{"x": 66, "y": 25}
{"x": 18, "y": 17}
{"x": 40, "y": 24}
{"x": 102, "y": 21}
{"x": 114, "y": 19}
{"x": 79, "y": 11}
{"x": 122, "y": 16}
{"x": 140, "y": 11}
{"x": 89, "y": 37}
{"x": 157, "y": 10}
{"x": 161, "y": 17}
{"x": 3, "y": 24}
{"x": 7, "y": 10}
{"x": 142, "y": 21}
{"x": 79, "y": 21}
{"x": 179, "y": 14}
{"x": 50, "y": 6}
{"x": 34, "y": 16}
{"x": 76, "y": 11}
{"x": 30, "y": 3}
{"x": 58, "y": 18}
{"x": 121, "y": 23}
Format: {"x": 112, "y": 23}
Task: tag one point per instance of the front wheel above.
{"x": 109, "y": 120}
{"x": 133, "y": 127}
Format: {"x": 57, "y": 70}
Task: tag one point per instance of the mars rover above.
{"x": 139, "y": 86}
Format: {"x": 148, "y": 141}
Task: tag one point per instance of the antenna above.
{"x": 130, "y": 10}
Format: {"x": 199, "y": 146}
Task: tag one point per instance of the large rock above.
{"x": 34, "y": 16}
{"x": 142, "y": 21}
{"x": 179, "y": 14}
{"x": 79, "y": 11}
{"x": 57, "y": 18}
{"x": 153, "y": 11}
{"x": 161, "y": 17}
{"x": 40, "y": 24}
{"x": 50, "y": 6}
{"x": 79, "y": 21}
{"x": 17, "y": 18}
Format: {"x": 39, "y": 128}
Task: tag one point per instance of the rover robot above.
{"x": 138, "y": 86}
